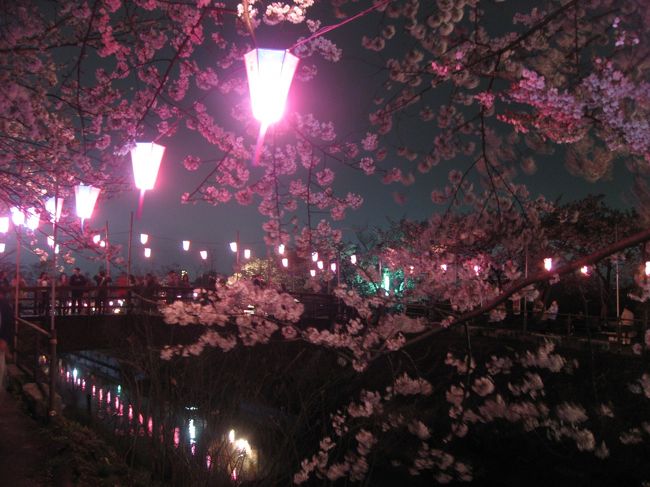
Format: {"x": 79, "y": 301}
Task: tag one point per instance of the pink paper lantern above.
{"x": 270, "y": 73}
{"x": 146, "y": 158}
{"x": 53, "y": 206}
{"x": 85, "y": 199}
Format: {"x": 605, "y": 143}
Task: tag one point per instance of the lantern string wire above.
{"x": 329, "y": 28}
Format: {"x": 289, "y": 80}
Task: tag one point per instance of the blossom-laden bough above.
{"x": 484, "y": 91}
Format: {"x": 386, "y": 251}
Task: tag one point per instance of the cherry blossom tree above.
{"x": 485, "y": 90}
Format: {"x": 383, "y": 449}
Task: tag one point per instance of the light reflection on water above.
{"x": 234, "y": 455}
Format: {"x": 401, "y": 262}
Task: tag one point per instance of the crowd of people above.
{"x": 78, "y": 293}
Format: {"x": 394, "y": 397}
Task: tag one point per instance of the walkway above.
{"x": 24, "y": 449}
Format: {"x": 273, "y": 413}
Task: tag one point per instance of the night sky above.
{"x": 210, "y": 228}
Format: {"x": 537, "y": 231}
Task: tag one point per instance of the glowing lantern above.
{"x": 53, "y": 206}
{"x": 85, "y": 199}
{"x": 56, "y": 249}
{"x": 145, "y": 158}
{"x": 319, "y": 264}
{"x": 2, "y": 248}
{"x": 247, "y": 253}
{"x": 584, "y": 270}
{"x": 50, "y": 241}
{"x": 443, "y": 267}
{"x": 204, "y": 254}
{"x": 285, "y": 262}
{"x": 147, "y": 252}
{"x": 144, "y": 238}
{"x": 353, "y": 259}
{"x": 96, "y": 239}
{"x": 17, "y": 217}
{"x": 186, "y": 245}
{"x": 386, "y": 282}
{"x": 4, "y": 224}
{"x": 647, "y": 268}
{"x": 333, "y": 266}
{"x": 548, "y": 263}
{"x": 477, "y": 269}
{"x": 270, "y": 73}
{"x": 314, "y": 256}
{"x": 233, "y": 246}
{"x": 281, "y": 249}
{"x": 102, "y": 244}
{"x": 32, "y": 219}
{"x": 312, "y": 273}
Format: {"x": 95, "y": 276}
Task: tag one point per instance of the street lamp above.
{"x": 204, "y": 254}
{"x": 147, "y": 252}
{"x": 186, "y": 245}
{"x": 144, "y": 238}
{"x": 247, "y": 254}
{"x": 146, "y": 158}
{"x": 285, "y": 262}
{"x": 85, "y": 199}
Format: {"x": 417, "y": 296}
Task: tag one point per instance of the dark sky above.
{"x": 342, "y": 92}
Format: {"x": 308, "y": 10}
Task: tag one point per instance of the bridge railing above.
{"x": 35, "y": 301}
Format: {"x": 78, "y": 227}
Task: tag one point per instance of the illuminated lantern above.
{"x": 647, "y": 268}
{"x": 17, "y": 217}
{"x": 270, "y": 73}
{"x": 145, "y": 158}
{"x": 85, "y": 199}
{"x": 247, "y": 253}
{"x": 2, "y": 248}
{"x": 443, "y": 267}
{"x": 96, "y": 239}
{"x": 312, "y": 273}
{"x": 548, "y": 263}
{"x": 281, "y": 249}
{"x": 314, "y": 256}
{"x": 4, "y": 224}
{"x": 102, "y": 244}
{"x": 144, "y": 238}
{"x": 50, "y": 241}
{"x": 186, "y": 245}
{"x": 353, "y": 259}
{"x": 319, "y": 264}
{"x": 32, "y": 219}
{"x": 53, "y": 206}
{"x": 333, "y": 266}
{"x": 477, "y": 269}
{"x": 285, "y": 262}
{"x": 147, "y": 252}
{"x": 584, "y": 270}
{"x": 233, "y": 246}
{"x": 56, "y": 249}
{"x": 204, "y": 254}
